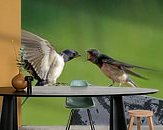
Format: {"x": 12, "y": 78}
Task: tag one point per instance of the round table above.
{"x": 117, "y": 116}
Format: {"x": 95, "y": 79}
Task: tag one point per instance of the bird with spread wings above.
{"x": 42, "y": 60}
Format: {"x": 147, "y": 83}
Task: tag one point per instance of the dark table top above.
{"x": 66, "y": 91}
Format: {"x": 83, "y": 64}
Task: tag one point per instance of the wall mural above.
{"x": 101, "y": 112}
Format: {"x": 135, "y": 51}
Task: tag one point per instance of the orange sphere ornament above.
{"x": 18, "y": 82}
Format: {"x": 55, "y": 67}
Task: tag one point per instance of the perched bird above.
{"x": 116, "y": 70}
{"x": 40, "y": 58}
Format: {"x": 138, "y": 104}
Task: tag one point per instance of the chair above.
{"x": 74, "y": 103}
{"x": 138, "y": 114}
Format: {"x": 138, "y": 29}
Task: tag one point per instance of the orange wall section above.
{"x": 10, "y": 30}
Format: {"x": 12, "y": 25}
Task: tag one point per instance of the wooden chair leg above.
{"x": 138, "y": 123}
{"x": 131, "y": 123}
{"x": 150, "y": 122}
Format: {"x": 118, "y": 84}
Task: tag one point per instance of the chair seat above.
{"x": 79, "y": 102}
{"x": 140, "y": 113}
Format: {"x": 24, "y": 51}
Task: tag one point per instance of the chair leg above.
{"x": 138, "y": 123}
{"x": 70, "y": 119}
{"x": 90, "y": 119}
{"x": 131, "y": 123}
{"x": 150, "y": 122}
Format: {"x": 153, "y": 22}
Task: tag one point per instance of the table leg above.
{"x": 9, "y": 113}
{"x": 117, "y": 114}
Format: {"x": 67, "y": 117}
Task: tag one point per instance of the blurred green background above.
{"x": 128, "y": 30}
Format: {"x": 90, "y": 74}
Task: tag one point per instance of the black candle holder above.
{"x": 29, "y": 80}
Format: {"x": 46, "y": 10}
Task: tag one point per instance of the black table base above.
{"x": 9, "y": 113}
{"x": 117, "y": 115}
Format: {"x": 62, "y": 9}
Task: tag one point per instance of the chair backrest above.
{"x": 79, "y": 83}
{"x": 79, "y": 102}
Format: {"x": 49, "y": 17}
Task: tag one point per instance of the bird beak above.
{"x": 88, "y": 55}
{"x": 77, "y": 55}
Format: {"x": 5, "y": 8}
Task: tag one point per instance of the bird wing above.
{"x": 122, "y": 64}
{"x": 125, "y": 66}
{"x": 134, "y": 74}
{"x": 38, "y": 52}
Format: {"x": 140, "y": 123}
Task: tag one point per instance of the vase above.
{"x": 18, "y": 82}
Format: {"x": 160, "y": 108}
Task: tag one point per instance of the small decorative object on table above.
{"x": 18, "y": 82}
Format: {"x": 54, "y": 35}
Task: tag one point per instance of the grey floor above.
{"x": 78, "y": 127}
